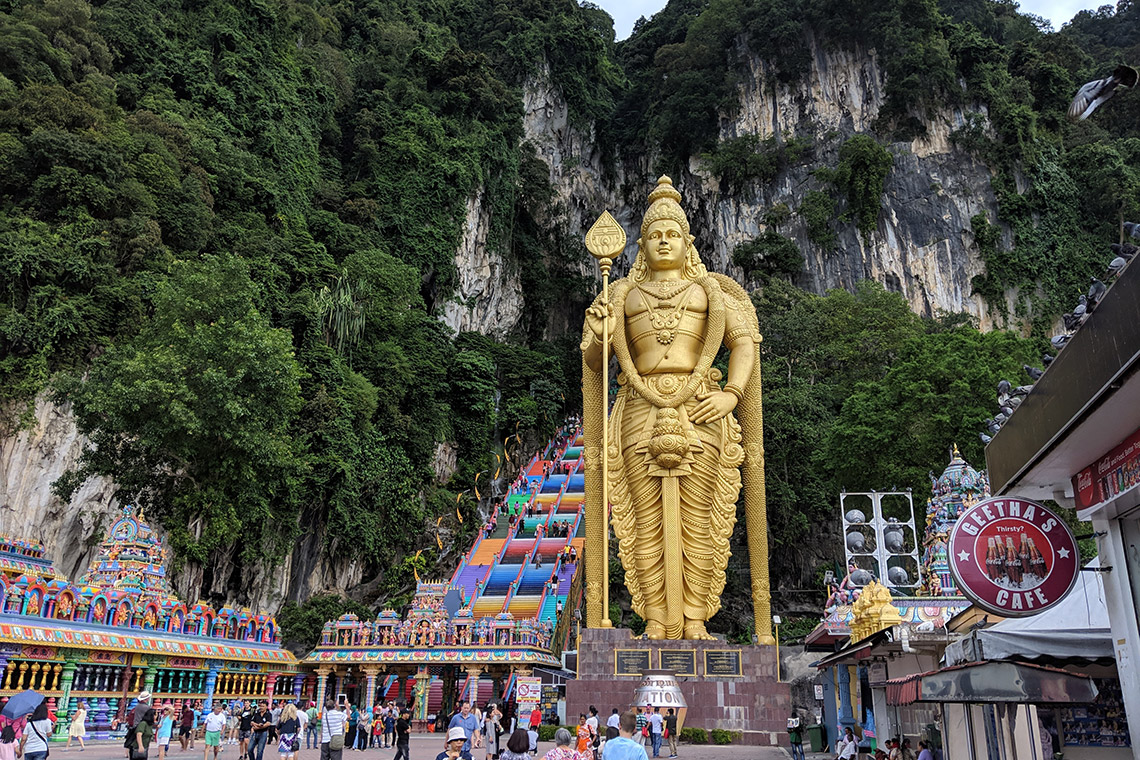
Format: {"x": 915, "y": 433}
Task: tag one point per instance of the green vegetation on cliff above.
{"x": 229, "y": 229}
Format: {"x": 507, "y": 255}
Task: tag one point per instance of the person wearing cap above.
{"x": 403, "y": 736}
{"x": 134, "y": 717}
{"x": 139, "y": 709}
{"x": 456, "y": 741}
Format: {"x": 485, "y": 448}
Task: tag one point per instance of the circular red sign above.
{"x": 1013, "y": 557}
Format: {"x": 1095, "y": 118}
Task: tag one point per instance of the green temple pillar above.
{"x": 151, "y": 675}
{"x": 423, "y": 682}
{"x": 63, "y": 707}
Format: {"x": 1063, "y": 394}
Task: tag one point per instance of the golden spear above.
{"x": 605, "y": 241}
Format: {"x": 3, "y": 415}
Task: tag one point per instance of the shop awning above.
{"x": 554, "y": 677}
{"x": 1076, "y": 629}
{"x": 992, "y": 682}
{"x": 856, "y": 651}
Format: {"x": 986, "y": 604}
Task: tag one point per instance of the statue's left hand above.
{"x": 713, "y": 405}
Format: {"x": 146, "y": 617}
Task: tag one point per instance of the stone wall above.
{"x": 754, "y": 704}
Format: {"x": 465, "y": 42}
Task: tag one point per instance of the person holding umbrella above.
{"x": 34, "y": 742}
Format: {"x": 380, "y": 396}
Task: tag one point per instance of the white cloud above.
{"x": 626, "y": 12}
{"x": 1059, "y": 11}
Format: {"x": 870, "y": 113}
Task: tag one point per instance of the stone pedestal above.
{"x": 753, "y": 703}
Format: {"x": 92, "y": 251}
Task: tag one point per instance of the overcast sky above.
{"x": 625, "y": 12}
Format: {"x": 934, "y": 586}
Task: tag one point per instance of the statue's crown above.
{"x": 664, "y": 203}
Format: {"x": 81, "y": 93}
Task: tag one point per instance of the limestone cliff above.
{"x": 922, "y": 248}
{"x": 33, "y": 458}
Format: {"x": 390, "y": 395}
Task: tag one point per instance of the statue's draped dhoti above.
{"x": 673, "y": 515}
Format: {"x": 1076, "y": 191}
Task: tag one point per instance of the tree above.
{"x": 192, "y": 416}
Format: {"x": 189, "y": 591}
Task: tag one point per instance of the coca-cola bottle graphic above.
{"x": 995, "y": 568}
{"x": 1037, "y": 562}
{"x": 1023, "y": 555}
{"x": 1012, "y": 563}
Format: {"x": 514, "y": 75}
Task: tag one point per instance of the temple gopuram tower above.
{"x": 957, "y": 489}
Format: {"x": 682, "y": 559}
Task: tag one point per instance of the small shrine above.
{"x": 936, "y": 600}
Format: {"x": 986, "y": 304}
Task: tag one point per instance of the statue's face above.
{"x": 665, "y": 245}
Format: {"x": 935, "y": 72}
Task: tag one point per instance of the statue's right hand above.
{"x": 595, "y": 316}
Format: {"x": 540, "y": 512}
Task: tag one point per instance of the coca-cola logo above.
{"x": 1084, "y": 480}
{"x": 1013, "y": 557}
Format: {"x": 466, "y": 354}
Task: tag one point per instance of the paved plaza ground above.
{"x": 424, "y": 747}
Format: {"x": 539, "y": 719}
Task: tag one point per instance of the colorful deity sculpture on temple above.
{"x": 957, "y": 489}
{"x": 131, "y": 558}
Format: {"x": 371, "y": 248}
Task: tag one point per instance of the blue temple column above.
{"x": 846, "y": 715}
{"x": 370, "y": 673}
{"x": 322, "y": 685}
{"x": 473, "y": 673}
{"x": 211, "y": 682}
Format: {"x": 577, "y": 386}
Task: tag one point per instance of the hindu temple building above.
{"x": 120, "y": 629}
{"x": 504, "y": 614}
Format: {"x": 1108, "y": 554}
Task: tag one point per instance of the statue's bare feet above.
{"x": 695, "y": 629}
{"x": 654, "y": 630}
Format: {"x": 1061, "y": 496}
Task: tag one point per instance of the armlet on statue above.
{"x": 740, "y": 331}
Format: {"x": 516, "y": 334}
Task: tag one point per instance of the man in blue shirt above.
{"x": 623, "y": 747}
{"x": 469, "y": 723}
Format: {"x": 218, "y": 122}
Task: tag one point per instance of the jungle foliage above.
{"x": 228, "y": 233}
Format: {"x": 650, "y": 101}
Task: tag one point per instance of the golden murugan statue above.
{"x": 675, "y": 446}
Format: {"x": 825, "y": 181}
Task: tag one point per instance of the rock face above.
{"x": 31, "y": 460}
{"x": 923, "y": 246}
{"x": 488, "y": 297}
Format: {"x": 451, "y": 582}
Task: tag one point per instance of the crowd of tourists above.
{"x": 504, "y": 736}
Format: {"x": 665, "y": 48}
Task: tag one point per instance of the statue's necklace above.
{"x": 664, "y": 316}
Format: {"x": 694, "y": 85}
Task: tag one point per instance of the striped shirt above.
{"x": 332, "y": 723}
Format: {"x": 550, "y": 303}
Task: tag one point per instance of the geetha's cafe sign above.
{"x": 1013, "y": 557}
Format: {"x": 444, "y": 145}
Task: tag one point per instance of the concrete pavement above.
{"x": 424, "y": 747}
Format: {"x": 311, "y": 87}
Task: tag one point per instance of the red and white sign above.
{"x": 529, "y": 692}
{"x": 1111, "y": 475}
{"x": 1013, "y": 557}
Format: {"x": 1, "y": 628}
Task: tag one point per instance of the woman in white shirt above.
{"x": 33, "y": 743}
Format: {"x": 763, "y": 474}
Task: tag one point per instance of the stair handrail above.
{"x": 510, "y": 687}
